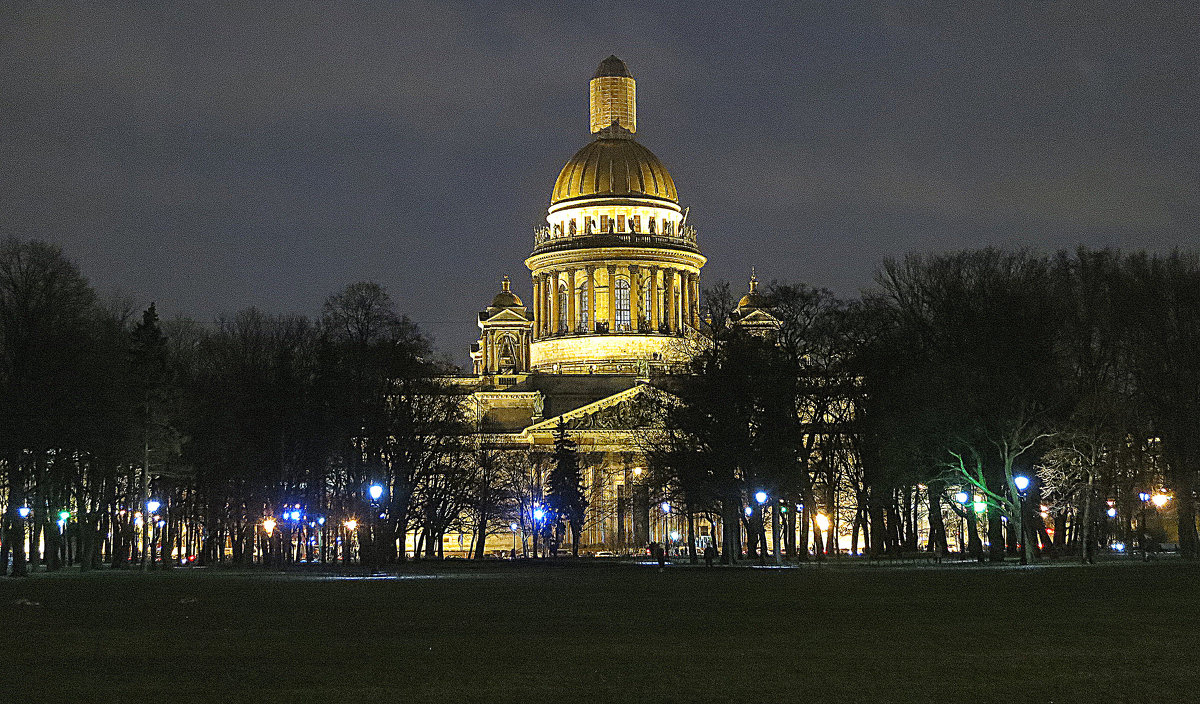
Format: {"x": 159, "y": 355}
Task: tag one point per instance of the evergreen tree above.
{"x": 564, "y": 495}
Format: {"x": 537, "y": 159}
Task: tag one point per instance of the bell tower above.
{"x": 505, "y": 329}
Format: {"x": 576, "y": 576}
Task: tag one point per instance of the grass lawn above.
{"x": 1125, "y": 632}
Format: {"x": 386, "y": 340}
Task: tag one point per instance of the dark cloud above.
{"x": 212, "y": 157}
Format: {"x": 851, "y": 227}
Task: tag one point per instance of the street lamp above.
{"x": 1022, "y": 483}
{"x": 962, "y": 497}
{"x": 761, "y": 497}
{"x": 1143, "y": 538}
{"x": 538, "y": 514}
{"x": 269, "y": 525}
{"x": 375, "y": 492}
{"x": 1160, "y": 500}
{"x": 152, "y": 506}
{"x": 23, "y": 512}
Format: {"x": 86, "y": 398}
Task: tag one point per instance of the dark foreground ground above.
{"x": 608, "y": 632}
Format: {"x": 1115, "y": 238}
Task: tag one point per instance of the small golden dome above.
{"x": 753, "y": 299}
{"x": 614, "y": 167}
{"x": 506, "y": 298}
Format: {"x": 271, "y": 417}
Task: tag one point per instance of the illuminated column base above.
{"x": 609, "y": 354}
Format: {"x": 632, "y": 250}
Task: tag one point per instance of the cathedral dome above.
{"x": 614, "y": 167}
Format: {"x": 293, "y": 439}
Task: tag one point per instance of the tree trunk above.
{"x": 1085, "y": 522}
{"x": 938, "y": 541}
{"x": 1185, "y": 512}
{"x": 731, "y": 547}
{"x": 691, "y": 536}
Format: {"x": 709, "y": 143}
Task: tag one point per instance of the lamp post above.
{"x": 1022, "y": 484}
{"x": 375, "y": 492}
{"x": 1142, "y": 532}
{"x": 538, "y": 514}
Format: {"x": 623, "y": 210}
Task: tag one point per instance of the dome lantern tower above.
{"x": 614, "y": 96}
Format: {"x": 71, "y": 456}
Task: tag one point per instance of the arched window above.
{"x": 622, "y": 304}
{"x": 582, "y": 297}
{"x": 644, "y": 318}
{"x": 562, "y": 308}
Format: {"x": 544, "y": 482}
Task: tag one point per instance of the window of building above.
{"x": 635, "y": 223}
{"x": 562, "y": 308}
{"x": 604, "y": 223}
{"x": 622, "y": 304}
{"x": 644, "y": 318}
{"x": 584, "y": 322}
{"x": 620, "y": 223}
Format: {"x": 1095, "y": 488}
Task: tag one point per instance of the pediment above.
{"x": 507, "y": 315}
{"x": 637, "y": 408}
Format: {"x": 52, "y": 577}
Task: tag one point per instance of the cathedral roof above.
{"x": 614, "y": 166}
{"x": 612, "y": 66}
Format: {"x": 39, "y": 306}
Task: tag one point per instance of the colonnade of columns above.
{"x": 670, "y": 313}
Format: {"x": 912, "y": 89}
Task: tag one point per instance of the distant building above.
{"x": 616, "y": 293}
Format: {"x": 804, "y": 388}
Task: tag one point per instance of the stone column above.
{"x": 536, "y": 305}
{"x": 672, "y": 306}
{"x": 552, "y": 284}
{"x": 635, "y": 296}
{"x": 654, "y": 299}
{"x": 685, "y": 298}
{"x": 612, "y": 299}
{"x": 591, "y": 289}
{"x": 696, "y": 300}
{"x": 572, "y": 306}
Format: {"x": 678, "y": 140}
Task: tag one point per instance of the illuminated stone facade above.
{"x": 615, "y": 300}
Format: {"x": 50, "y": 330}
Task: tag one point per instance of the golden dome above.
{"x": 614, "y": 167}
{"x": 753, "y": 299}
{"x": 506, "y": 298}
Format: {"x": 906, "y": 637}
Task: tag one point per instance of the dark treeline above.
{"x": 251, "y": 439}
{"x": 920, "y": 409}
{"x": 901, "y": 421}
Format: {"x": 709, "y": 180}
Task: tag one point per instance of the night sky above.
{"x": 212, "y": 158}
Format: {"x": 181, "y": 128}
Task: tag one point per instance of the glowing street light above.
{"x": 749, "y": 512}
{"x": 675, "y": 535}
{"x": 375, "y": 492}
{"x": 962, "y": 497}
{"x": 152, "y": 506}
{"x": 761, "y": 497}
{"x": 1112, "y": 513}
{"x": 294, "y": 515}
{"x": 23, "y": 512}
{"x": 269, "y": 525}
{"x": 351, "y": 524}
{"x": 539, "y": 514}
{"x": 513, "y": 526}
{"x": 822, "y": 522}
{"x": 1021, "y": 482}
{"x": 666, "y": 507}
{"x": 1160, "y": 500}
